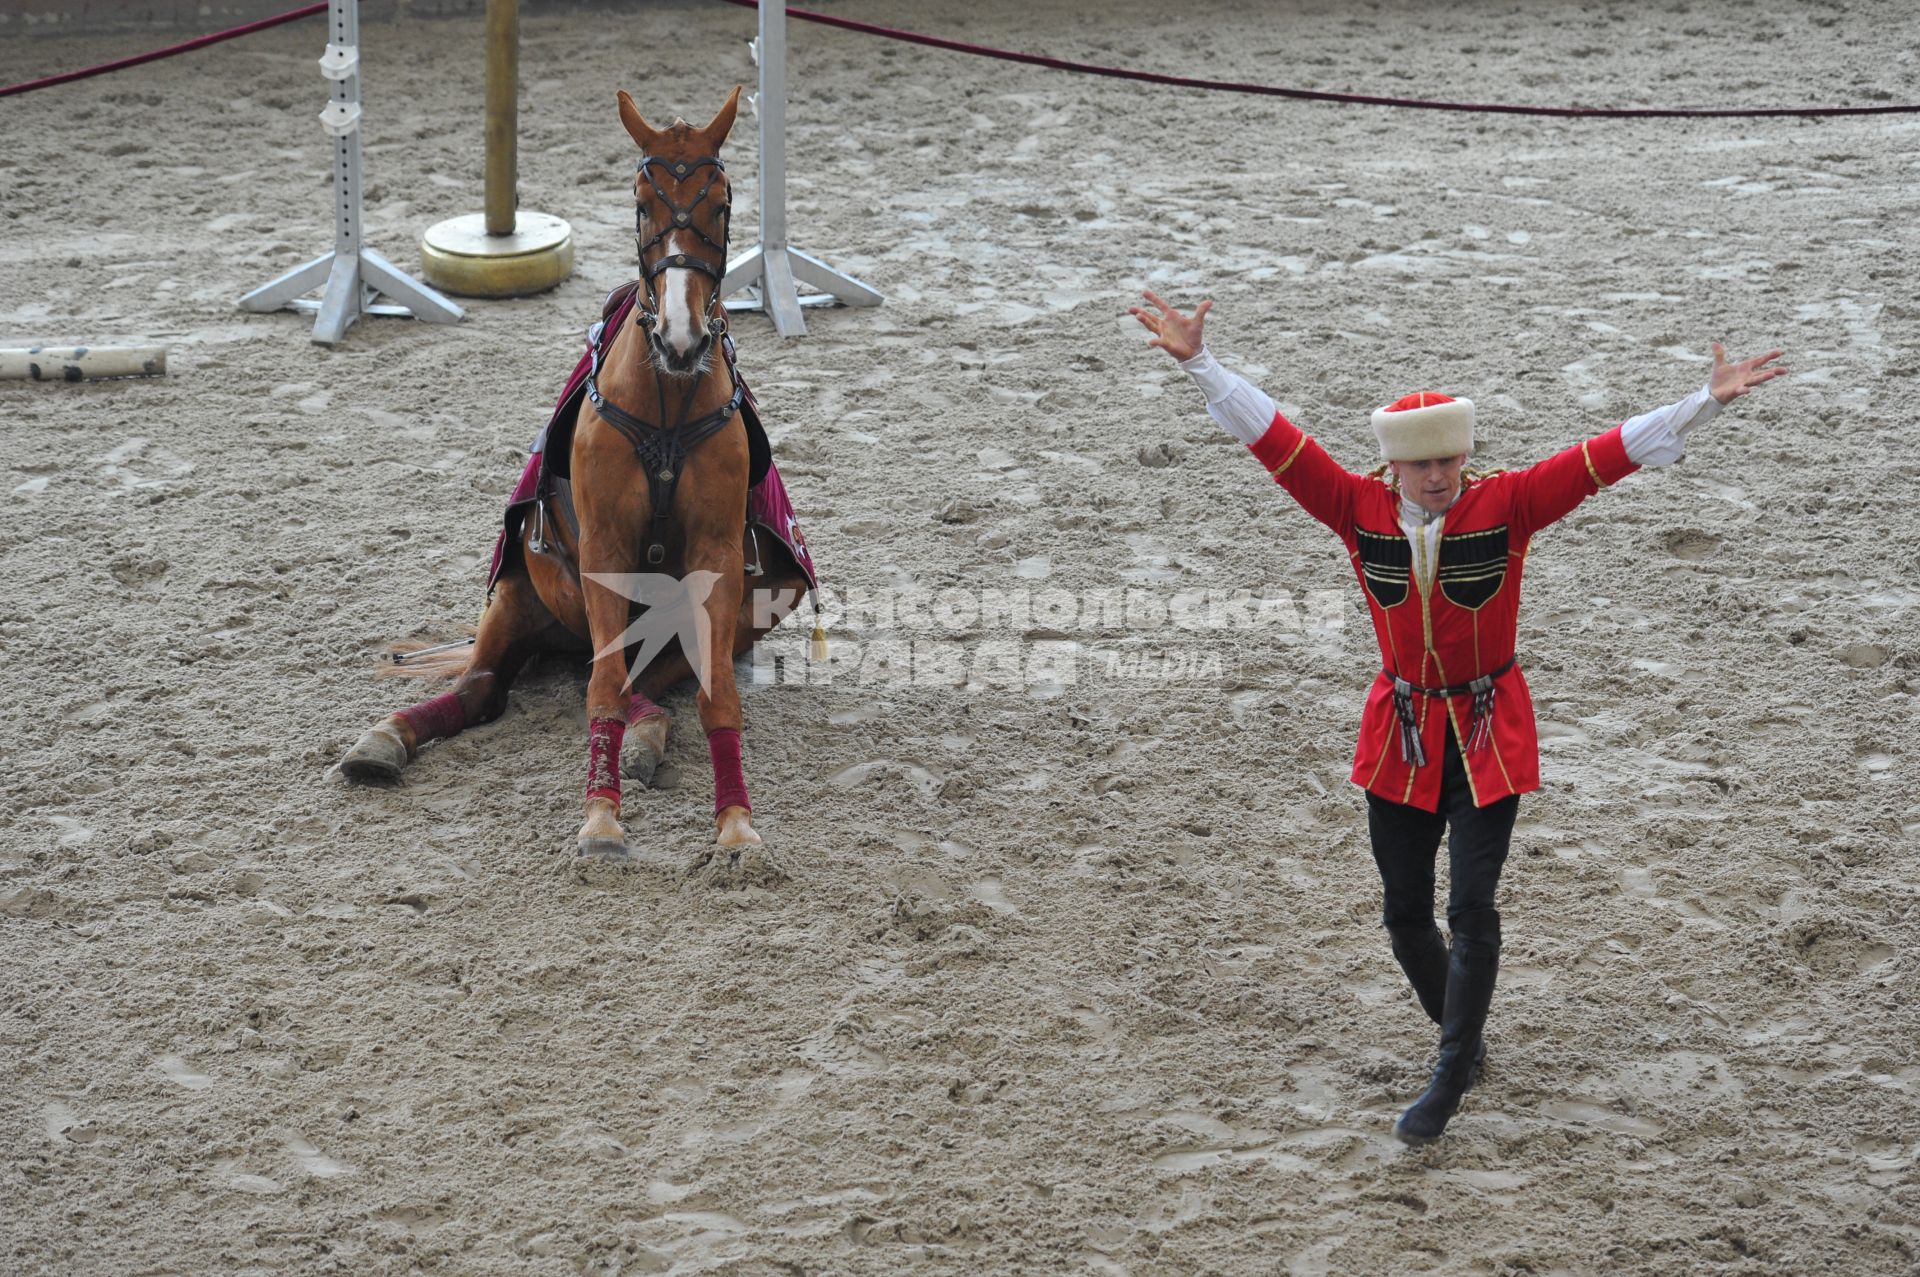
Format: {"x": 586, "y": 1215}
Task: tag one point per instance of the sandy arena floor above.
{"x": 1064, "y": 978}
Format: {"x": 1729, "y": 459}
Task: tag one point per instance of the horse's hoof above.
{"x": 378, "y": 755}
{"x": 611, "y": 850}
{"x": 734, "y": 831}
{"x": 645, "y": 748}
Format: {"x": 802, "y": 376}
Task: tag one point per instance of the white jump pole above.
{"x": 352, "y": 273}
{"x": 81, "y": 363}
{"x": 771, "y": 268}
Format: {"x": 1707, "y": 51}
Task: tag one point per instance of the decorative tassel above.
{"x": 1413, "y": 751}
{"x": 1482, "y": 732}
{"x": 818, "y": 650}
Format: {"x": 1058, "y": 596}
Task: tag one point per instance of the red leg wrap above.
{"x": 639, "y": 707}
{"x": 729, "y": 782}
{"x": 603, "y": 758}
{"x": 440, "y": 717}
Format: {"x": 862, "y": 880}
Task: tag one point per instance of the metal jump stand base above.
{"x": 353, "y": 281}
{"x": 768, "y": 278}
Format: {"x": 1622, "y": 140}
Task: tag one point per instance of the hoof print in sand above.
{"x": 1690, "y": 543}
{"x": 605, "y": 851}
{"x": 950, "y": 926}
{"x": 736, "y": 868}
{"x": 1865, "y": 656}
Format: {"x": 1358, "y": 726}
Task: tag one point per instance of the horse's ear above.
{"x": 644, "y": 134}
{"x": 722, "y": 122}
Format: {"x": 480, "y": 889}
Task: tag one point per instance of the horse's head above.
{"x": 682, "y": 204}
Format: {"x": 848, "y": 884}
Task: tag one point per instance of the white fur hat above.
{"x": 1424, "y": 425}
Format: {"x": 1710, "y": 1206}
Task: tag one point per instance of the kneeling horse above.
{"x": 650, "y": 491}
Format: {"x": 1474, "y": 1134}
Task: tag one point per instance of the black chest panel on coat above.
{"x": 1386, "y": 565}
{"x": 1472, "y": 566}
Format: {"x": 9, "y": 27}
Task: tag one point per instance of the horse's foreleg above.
{"x": 719, "y": 698}
{"x": 609, "y": 700}
{"x": 647, "y": 724}
{"x": 507, "y": 636}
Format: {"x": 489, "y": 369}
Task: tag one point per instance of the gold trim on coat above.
{"x": 1592, "y": 473}
{"x": 1282, "y": 467}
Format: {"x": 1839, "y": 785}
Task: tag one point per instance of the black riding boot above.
{"x": 1470, "y": 975}
{"x": 1422, "y": 954}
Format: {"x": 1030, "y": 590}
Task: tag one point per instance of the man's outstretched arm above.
{"x": 1659, "y": 438}
{"x": 1246, "y": 412}
{"x": 1551, "y": 489}
{"x": 1242, "y": 408}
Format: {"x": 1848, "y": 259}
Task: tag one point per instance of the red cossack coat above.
{"x": 1464, "y": 626}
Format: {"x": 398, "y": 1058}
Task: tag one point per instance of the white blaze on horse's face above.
{"x": 683, "y": 201}
{"x": 680, "y": 331}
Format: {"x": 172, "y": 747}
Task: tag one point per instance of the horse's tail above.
{"x": 426, "y": 658}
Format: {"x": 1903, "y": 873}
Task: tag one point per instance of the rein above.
{"x": 663, "y": 449}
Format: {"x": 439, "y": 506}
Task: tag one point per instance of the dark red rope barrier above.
{"x": 187, "y": 46}
{"x": 1314, "y": 95}
{"x": 1083, "y": 68}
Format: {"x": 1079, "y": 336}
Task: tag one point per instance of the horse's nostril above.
{"x": 683, "y": 358}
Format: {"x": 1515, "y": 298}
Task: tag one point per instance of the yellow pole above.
{"x": 504, "y": 250}
{"x": 503, "y": 114}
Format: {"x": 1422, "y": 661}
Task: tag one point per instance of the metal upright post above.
{"x": 771, "y": 268}
{"x": 353, "y": 274}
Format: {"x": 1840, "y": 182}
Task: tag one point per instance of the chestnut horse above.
{"x": 659, "y": 475}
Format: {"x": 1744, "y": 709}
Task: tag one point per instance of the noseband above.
{"x": 681, "y": 219}
{"x": 663, "y": 448}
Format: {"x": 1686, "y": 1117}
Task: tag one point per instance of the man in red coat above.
{"x": 1447, "y": 739}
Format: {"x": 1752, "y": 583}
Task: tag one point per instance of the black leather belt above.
{"x": 1412, "y": 749}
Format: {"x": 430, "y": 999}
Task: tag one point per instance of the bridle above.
{"x": 681, "y": 218}
{"x": 663, "y": 448}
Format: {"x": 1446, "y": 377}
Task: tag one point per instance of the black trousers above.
{"x": 1407, "y": 839}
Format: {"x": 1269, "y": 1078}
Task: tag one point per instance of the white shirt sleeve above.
{"x": 1659, "y": 438}
{"x": 1236, "y": 403}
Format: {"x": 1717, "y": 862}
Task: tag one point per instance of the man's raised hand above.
{"x": 1730, "y": 381}
{"x": 1177, "y": 334}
